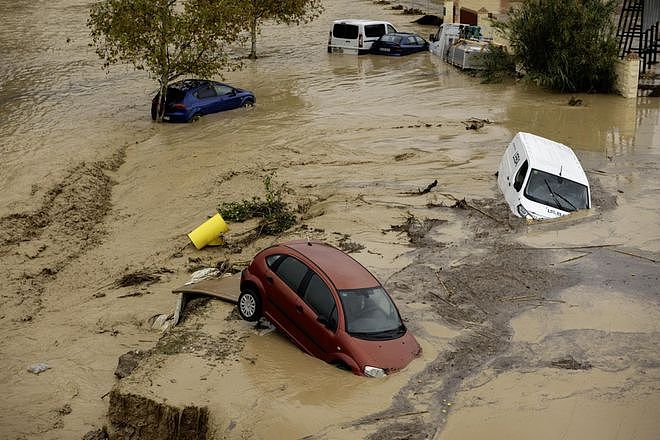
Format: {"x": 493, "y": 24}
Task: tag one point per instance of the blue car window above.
{"x": 206, "y": 92}
{"x": 174, "y": 95}
{"x": 411, "y": 40}
{"x": 387, "y": 38}
{"x": 222, "y": 90}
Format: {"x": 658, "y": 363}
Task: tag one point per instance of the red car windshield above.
{"x": 371, "y": 314}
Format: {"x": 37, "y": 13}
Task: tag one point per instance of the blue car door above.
{"x": 207, "y": 97}
{"x": 227, "y": 97}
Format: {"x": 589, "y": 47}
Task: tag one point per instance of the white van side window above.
{"x": 374, "y": 30}
{"x": 520, "y": 176}
{"x": 390, "y": 29}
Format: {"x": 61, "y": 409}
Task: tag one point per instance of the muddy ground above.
{"x": 544, "y": 330}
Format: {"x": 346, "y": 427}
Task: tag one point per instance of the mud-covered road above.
{"x": 538, "y": 331}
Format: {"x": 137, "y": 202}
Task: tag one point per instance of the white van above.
{"x": 542, "y": 179}
{"x": 356, "y": 36}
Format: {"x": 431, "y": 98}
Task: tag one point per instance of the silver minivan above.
{"x": 356, "y": 36}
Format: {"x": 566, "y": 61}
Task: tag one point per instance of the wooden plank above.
{"x": 227, "y": 288}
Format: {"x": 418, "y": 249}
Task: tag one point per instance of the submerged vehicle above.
{"x": 399, "y": 43}
{"x": 542, "y": 179}
{"x": 329, "y": 305}
{"x": 190, "y": 99}
{"x": 355, "y": 37}
{"x": 459, "y": 44}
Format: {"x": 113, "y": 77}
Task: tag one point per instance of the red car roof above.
{"x": 344, "y": 271}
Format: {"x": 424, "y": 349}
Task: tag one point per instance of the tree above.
{"x": 567, "y": 45}
{"x": 282, "y": 11}
{"x": 167, "y": 38}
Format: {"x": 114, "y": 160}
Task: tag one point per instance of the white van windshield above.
{"x": 556, "y": 191}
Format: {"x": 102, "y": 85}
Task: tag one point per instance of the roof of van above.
{"x": 552, "y": 157}
{"x": 360, "y": 21}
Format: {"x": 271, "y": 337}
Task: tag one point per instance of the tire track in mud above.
{"x": 35, "y": 246}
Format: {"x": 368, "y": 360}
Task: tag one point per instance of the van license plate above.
{"x": 337, "y": 50}
{"x": 384, "y": 49}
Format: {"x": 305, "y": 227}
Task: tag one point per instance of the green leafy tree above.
{"x": 167, "y": 38}
{"x": 256, "y": 12}
{"x": 567, "y": 45}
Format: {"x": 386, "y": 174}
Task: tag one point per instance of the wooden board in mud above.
{"x": 226, "y": 289}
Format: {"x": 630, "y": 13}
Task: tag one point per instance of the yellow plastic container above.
{"x": 209, "y": 233}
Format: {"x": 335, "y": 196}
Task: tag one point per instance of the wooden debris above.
{"x": 634, "y": 255}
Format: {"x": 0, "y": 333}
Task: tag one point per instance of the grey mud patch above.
{"x": 478, "y": 295}
{"x": 478, "y": 298}
{"x": 583, "y": 349}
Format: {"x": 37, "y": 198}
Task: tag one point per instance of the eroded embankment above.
{"x": 35, "y": 246}
{"x": 136, "y": 414}
{"x": 139, "y": 417}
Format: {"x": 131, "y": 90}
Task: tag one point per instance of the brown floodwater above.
{"x": 350, "y": 135}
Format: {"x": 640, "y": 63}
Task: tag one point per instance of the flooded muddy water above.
{"x": 92, "y": 190}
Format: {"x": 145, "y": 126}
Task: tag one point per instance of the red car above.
{"x": 329, "y": 305}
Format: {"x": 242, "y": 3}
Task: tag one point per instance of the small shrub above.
{"x": 566, "y": 45}
{"x": 497, "y": 64}
{"x": 276, "y": 215}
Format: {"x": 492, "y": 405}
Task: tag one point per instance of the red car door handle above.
{"x": 299, "y": 309}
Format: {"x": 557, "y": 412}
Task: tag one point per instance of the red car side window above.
{"x": 292, "y": 272}
{"x": 272, "y": 260}
{"x": 318, "y": 296}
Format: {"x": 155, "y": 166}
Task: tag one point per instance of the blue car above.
{"x": 190, "y": 99}
{"x": 399, "y": 43}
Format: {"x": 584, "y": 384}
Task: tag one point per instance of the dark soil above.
{"x": 126, "y": 413}
{"x": 416, "y": 228}
{"x": 568, "y": 363}
{"x": 135, "y": 278}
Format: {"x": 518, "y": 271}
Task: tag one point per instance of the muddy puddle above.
{"x": 545, "y": 330}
